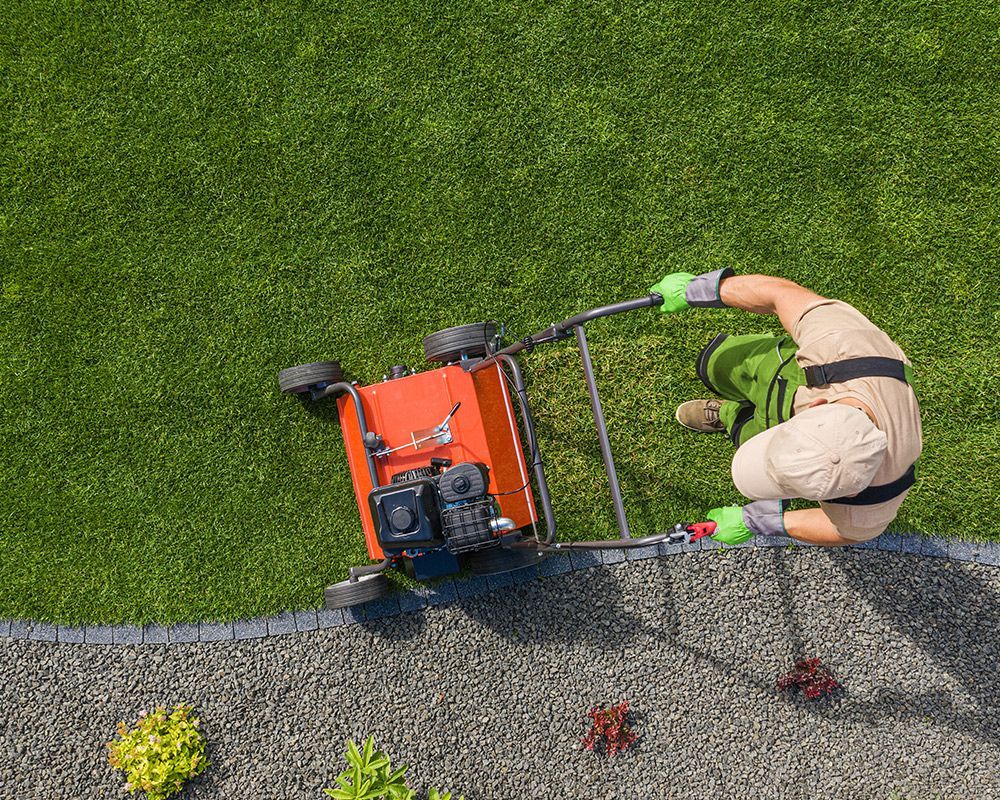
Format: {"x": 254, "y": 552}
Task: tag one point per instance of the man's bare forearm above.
{"x": 754, "y": 293}
{"x": 813, "y": 526}
{"x": 764, "y": 294}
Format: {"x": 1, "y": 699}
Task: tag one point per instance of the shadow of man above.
{"x": 953, "y": 615}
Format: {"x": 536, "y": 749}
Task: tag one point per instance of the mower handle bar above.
{"x": 681, "y": 533}
{"x": 561, "y": 330}
{"x": 557, "y": 332}
{"x": 649, "y": 301}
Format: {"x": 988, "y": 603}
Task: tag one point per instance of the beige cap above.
{"x": 832, "y": 450}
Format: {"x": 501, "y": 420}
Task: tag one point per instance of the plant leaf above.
{"x": 378, "y": 762}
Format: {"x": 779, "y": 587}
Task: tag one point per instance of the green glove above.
{"x": 672, "y": 288}
{"x": 731, "y": 527}
{"x": 682, "y": 290}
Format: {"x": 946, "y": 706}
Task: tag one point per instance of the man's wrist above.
{"x": 702, "y": 291}
{"x": 765, "y": 517}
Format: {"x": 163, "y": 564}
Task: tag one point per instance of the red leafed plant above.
{"x": 811, "y": 677}
{"x": 609, "y": 726}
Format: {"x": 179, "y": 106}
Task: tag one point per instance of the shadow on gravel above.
{"x": 670, "y": 632}
{"x": 399, "y": 628}
{"x": 538, "y": 615}
{"x": 944, "y": 608}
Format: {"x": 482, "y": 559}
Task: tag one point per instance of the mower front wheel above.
{"x": 353, "y": 593}
{"x": 300, "y": 379}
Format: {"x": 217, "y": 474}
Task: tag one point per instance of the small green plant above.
{"x": 370, "y": 776}
{"x": 160, "y": 753}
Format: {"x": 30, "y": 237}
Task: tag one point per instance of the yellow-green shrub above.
{"x": 162, "y": 752}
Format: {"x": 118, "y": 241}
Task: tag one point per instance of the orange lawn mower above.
{"x": 437, "y": 461}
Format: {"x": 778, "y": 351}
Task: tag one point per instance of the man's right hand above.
{"x": 672, "y": 288}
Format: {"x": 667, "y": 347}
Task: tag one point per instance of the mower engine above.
{"x": 430, "y": 515}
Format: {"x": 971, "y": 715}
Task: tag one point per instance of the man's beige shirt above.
{"x": 831, "y": 330}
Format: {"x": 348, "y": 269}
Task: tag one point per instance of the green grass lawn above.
{"x": 193, "y": 196}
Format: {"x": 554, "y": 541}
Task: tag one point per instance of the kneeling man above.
{"x": 825, "y": 413}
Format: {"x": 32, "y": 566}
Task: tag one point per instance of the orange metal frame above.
{"x": 484, "y": 429}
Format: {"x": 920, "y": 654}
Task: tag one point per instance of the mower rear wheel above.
{"x": 496, "y": 560}
{"x": 452, "y": 343}
{"x": 352, "y": 593}
{"x": 300, "y": 379}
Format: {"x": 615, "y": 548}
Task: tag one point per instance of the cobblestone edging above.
{"x": 449, "y": 591}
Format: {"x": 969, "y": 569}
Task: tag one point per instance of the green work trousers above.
{"x": 757, "y": 375}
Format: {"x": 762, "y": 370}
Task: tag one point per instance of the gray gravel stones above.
{"x": 487, "y": 695}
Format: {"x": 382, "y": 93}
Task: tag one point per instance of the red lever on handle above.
{"x": 699, "y": 530}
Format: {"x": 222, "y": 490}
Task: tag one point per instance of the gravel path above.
{"x": 487, "y": 695}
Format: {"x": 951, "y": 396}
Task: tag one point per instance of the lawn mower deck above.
{"x": 437, "y": 463}
{"x": 447, "y": 426}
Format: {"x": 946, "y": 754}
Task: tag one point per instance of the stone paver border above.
{"x": 450, "y": 591}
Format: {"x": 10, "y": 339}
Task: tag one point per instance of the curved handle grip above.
{"x": 699, "y": 530}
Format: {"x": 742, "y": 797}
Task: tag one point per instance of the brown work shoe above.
{"x": 701, "y": 416}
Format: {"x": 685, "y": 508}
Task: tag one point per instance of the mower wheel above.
{"x": 452, "y": 343}
{"x": 495, "y": 560}
{"x": 352, "y": 593}
{"x": 300, "y": 379}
